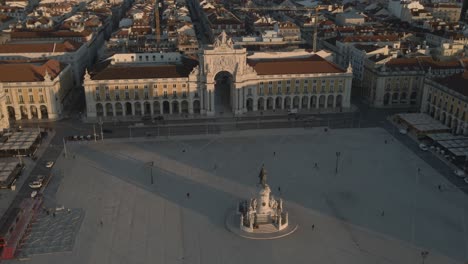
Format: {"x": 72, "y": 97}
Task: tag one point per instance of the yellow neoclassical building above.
{"x": 446, "y": 100}
{"x": 35, "y": 89}
{"x": 225, "y": 79}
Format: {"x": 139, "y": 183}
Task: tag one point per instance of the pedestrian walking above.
{"x": 316, "y": 165}
{"x": 101, "y": 223}
{"x": 188, "y": 195}
{"x": 383, "y": 213}
{"x": 385, "y": 141}
{"x": 440, "y": 187}
{"x": 183, "y": 150}
{"x": 419, "y": 170}
{"x": 313, "y": 226}
{"x": 279, "y": 189}
{"x": 274, "y": 153}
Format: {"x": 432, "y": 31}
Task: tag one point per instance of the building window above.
{"x": 21, "y": 100}
{"x": 31, "y": 98}
{"x": 127, "y": 95}
{"x": 41, "y": 98}
{"x": 30, "y": 90}
{"x": 196, "y": 94}
{"x": 288, "y": 82}
{"x": 270, "y": 90}
{"x": 184, "y": 94}
{"x": 116, "y": 87}
{"x": 288, "y": 89}
{"x": 174, "y": 93}
{"x": 155, "y": 86}
{"x": 146, "y": 94}
{"x": 249, "y": 91}
{"x": 126, "y": 87}
{"x": 260, "y": 90}
{"x": 174, "y": 86}
{"x": 184, "y": 85}
{"x": 8, "y": 101}
{"x": 279, "y": 90}
{"x": 165, "y": 86}
{"x": 117, "y": 96}
{"x": 165, "y": 94}
{"x": 136, "y": 95}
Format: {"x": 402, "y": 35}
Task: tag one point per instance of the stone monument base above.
{"x": 267, "y": 231}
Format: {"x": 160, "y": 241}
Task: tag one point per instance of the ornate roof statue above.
{"x": 263, "y": 176}
{"x": 223, "y": 41}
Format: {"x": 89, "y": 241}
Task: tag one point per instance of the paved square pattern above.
{"x": 52, "y": 233}
{"x": 375, "y": 209}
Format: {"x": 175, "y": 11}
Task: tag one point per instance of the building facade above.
{"x": 446, "y": 100}
{"x": 223, "y": 80}
{"x": 35, "y": 90}
{"x": 399, "y": 82}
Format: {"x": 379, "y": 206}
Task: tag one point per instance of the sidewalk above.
{"x": 413, "y": 137}
{"x": 269, "y": 113}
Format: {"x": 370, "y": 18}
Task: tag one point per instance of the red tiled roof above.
{"x": 373, "y": 38}
{"x": 66, "y": 46}
{"x": 29, "y": 72}
{"x": 457, "y": 82}
{"x": 145, "y": 71}
{"x": 312, "y": 64}
{"x": 49, "y": 34}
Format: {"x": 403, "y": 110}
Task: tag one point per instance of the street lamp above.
{"x": 100, "y": 122}
{"x": 424, "y": 256}
{"x": 151, "y": 164}
{"x": 338, "y": 154}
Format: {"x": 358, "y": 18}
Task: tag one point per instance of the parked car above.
{"x": 35, "y": 185}
{"x": 459, "y": 173}
{"x": 403, "y": 131}
{"x": 89, "y": 137}
{"x": 49, "y": 164}
{"x": 159, "y": 118}
{"x": 423, "y": 147}
{"x": 146, "y": 118}
{"x": 40, "y": 178}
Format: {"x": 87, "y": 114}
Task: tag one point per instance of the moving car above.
{"x": 459, "y": 173}
{"x": 403, "y": 131}
{"x": 49, "y": 164}
{"x": 35, "y": 185}
{"x": 423, "y": 147}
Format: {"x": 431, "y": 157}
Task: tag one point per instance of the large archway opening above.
{"x": 222, "y": 92}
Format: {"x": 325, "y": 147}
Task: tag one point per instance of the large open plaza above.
{"x": 367, "y": 204}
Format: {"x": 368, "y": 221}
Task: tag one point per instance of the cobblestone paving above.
{"x": 51, "y": 234}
